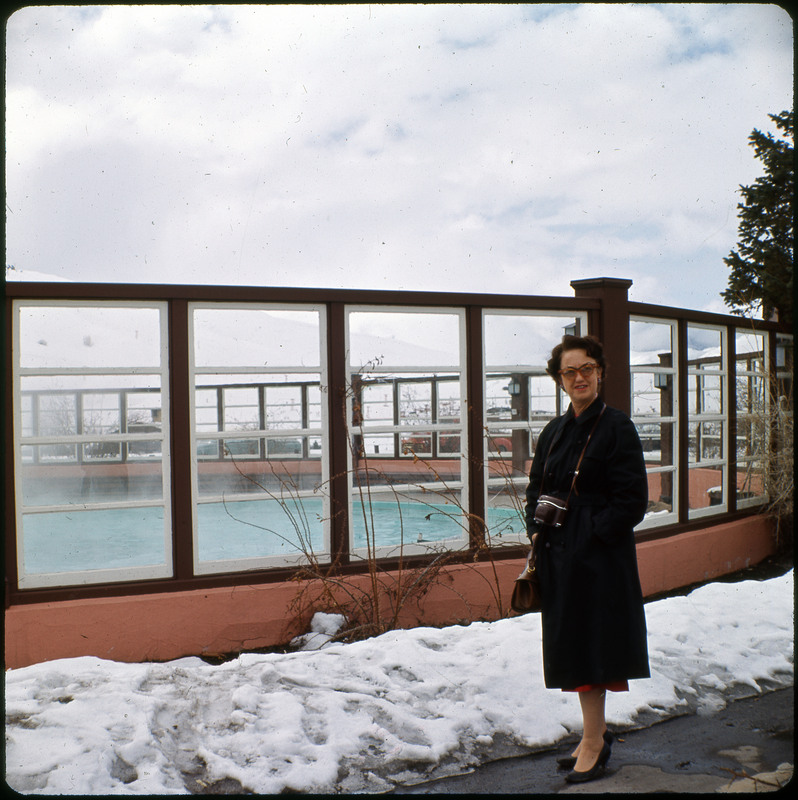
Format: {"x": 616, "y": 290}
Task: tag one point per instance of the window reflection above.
{"x": 707, "y": 419}
{"x": 520, "y": 399}
{"x": 408, "y": 461}
{"x": 653, "y": 404}
{"x": 259, "y": 430}
{"x": 93, "y": 442}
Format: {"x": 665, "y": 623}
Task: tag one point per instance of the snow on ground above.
{"x": 361, "y": 717}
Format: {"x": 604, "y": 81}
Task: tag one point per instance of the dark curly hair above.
{"x": 590, "y": 344}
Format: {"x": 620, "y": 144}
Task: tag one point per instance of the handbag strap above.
{"x": 578, "y": 463}
{"x": 582, "y": 455}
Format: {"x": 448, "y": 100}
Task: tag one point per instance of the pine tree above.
{"x": 761, "y": 266}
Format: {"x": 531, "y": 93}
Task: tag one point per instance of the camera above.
{"x": 550, "y": 511}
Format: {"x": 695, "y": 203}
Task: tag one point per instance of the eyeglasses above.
{"x": 586, "y": 370}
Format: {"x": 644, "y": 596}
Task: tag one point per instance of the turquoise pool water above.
{"x": 114, "y": 538}
{"x": 99, "y": 539}
{"x": 256, "y": 528}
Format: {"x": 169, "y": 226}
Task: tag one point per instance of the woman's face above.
{"x": 582, "y": 389}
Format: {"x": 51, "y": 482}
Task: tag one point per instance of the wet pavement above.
{"x": 746, "y": 747}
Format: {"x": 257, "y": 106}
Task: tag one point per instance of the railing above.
{"x": 192, "y": 436}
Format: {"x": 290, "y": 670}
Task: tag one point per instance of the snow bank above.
{"x": 365, "y": 716}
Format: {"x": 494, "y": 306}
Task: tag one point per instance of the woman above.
{"x": 594, "y": 629}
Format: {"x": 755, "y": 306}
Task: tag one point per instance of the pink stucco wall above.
{"x": 165, "y": 626}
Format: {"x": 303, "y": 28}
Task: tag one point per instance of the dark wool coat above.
{"x": 594, "y": 628}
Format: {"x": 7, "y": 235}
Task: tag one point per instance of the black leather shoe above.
{"x": 568, "y": 762}
{"x": 596, "y": 771}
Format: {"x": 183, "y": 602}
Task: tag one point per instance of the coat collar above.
{"x": 590, "y": 413}
{"x": 587, "y": 415}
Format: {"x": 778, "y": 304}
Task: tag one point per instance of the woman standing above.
{"x": 594, "y": 629}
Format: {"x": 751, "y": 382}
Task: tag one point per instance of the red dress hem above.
{"x": 615, "y": 686}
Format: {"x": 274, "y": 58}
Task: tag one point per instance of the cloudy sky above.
{"x": 485, "y": 148}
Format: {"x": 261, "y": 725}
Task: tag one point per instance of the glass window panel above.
{"x": 143, "y": 409}
{"x": 525, "y": 339}
{"x": 258, "y": 530}
{"x": 661, "y": 488}
{"x": 704, "y": 346}
{"x": 103, "y": 335}
{"x": 497, "y": 398}
{"x": 376, "y": 403}
{"x": 651, "y": 343}
{"x": 260, "y": 496}
{"x": 105, "y": 387}
{"x": 647, "y": 397}
{"x": 520, "y": 398}
{"x": 419, "y": 444}
{"x": 388, "y": 339}
{"x": 314, "y": 400}
{"x": 282, "y": 515}
{"x": 505, "y": 504}
{"x": 206, "y": 410}
{"x": 500, "y": 440}
{"x": 751, "y": 445}
{"x": 705, "y": 442}
{"x": 144, "y": 450}
{"x": 415, "y": 403}
{"x": 291, "y": 446}
{"x": 102, "y": 539}
{"x": 102, "y": 451}
{"x": 240, "y": 448}
{"x": 658, "y": 442}
{"x": 707, "y": 421}
{"x": 57, "y": 414}
{"x": 750, "y": 479}
{"x": 411, "y": 476}
{"x": 543, "y": 394}
{"x": 751, "y": 395}
{"x": 208, "y": 448}
{"x": 275, "y": 477}
{"x": 749, "y": 346}
{"x": 403, "y": 339}
{"x": 785, "y": 355}
{"x": 375, "y": 445}
{"x": 401, "y": 519}
{"x": 706, "y": 487}
{"x": 56, "y": 452}
{"x": 449, "y": 443}
{"x": 26, "y": 414}
{"x": 56, "y": 482}
{"x": 283, "y": 406}
{"x": 75, "y": 382}
{"x": 286, "y": 413}
{"x": 752, "y": 440}
{"x": 243, "y": 337}
{"x": 706, "y": 394}
{"x": 101, "y": 413}
{"x": 241, "y": 408}
{"x": 448, "y": 401}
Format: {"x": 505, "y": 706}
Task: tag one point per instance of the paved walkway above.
{"x": 747, "y": 747}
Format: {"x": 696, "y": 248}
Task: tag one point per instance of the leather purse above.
{"x": 526, "y": 590}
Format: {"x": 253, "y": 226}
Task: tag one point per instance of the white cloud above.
{"x": 390, "y": 146}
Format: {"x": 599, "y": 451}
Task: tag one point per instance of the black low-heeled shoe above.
{"x": 596, "y": 771}
{"x": 568, "y": 762}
